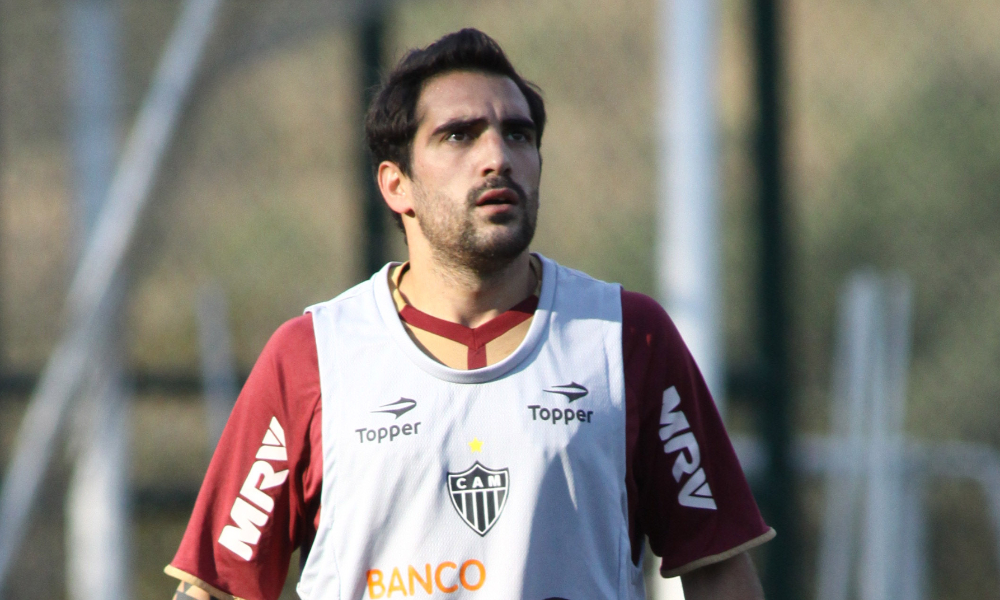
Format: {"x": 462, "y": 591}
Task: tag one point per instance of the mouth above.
{"x": 497, "y": 196}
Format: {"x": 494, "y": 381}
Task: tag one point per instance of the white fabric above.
{"x": 386, "y": 506}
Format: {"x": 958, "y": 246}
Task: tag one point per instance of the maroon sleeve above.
{"x": 260, "y": 497}
{"x": 686, "y": 490}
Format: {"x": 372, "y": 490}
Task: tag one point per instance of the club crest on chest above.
{"x": 479, "y": 495}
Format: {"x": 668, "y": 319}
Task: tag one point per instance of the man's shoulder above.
{"x": 576, "y": 290}
{"x": 357, "y": 292}
{"x": 288, "y": 358}
{"x": 640, "y": 310}
{"x": 646, "y": 324}
{"x": 294, "y": 335}
{"x": 564, "y": 273}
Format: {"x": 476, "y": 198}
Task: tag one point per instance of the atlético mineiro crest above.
{"x": 479, "y": 495}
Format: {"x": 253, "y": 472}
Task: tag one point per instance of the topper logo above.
{"x": 248, "y": 517}
{"x": 677, "y": 437}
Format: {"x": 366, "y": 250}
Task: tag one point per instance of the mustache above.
{"x": 497, "y": 182}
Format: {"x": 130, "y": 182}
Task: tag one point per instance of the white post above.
{"x": 881, "y": 557}
{"x": 97, "y": 516}
{"x": 908, "y": 519}
{"x": 851, "y": 383}
{"x": 687, "y": 223}
{"x": 99, "y": 266}
{"x": 97, "y": 509}
{"x": 869, "y": 391}
{"x": 688, "y": 239}
{"x": 877, "y": 535}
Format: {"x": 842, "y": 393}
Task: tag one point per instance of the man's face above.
{"x": 475, "y": 170}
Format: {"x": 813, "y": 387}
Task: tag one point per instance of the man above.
{"x": 479, "y": 421}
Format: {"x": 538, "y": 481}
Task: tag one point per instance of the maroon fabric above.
{"x": 284, "y": 383}
{"x": 656, "y": 358}
{"x": 473, "y": 338}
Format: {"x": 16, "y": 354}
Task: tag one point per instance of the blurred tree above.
{"x": 921, "y": 193}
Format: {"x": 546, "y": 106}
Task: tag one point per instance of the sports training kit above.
{"x": 534, "y": 477}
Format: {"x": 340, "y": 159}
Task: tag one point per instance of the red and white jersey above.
{"x": 536, "y": 477}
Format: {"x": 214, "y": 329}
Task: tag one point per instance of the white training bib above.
{"x": 496, "y": 483}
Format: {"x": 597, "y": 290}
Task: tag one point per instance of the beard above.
{"x": 483, "y": 244}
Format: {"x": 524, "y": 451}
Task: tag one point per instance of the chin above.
{"x": 490, "y": 246}
{"x": 500, "y": 250}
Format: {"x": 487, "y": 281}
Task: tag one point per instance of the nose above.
{"x": 495, "y": 158}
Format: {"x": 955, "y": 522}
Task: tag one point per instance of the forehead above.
{"x": 468, "y": 94}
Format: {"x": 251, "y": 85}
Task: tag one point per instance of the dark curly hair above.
{"x": 391, "y": 121}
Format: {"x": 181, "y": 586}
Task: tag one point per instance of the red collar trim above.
{"x": 475, "y": 339}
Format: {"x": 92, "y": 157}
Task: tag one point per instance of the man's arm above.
{"x": 273, "y": 431}
{"x": 732, "y": 579}
{"x": 186, "y": 591}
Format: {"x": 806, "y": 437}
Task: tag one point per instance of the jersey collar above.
{"x": 539, "y": 325}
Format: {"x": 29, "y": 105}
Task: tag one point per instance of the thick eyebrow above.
{"x": 461, "y": 124}
{"x": 458, "y": 124}
{"x": 519, "y": 123}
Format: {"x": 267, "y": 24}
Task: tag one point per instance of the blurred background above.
{"x": 855, "y": 178}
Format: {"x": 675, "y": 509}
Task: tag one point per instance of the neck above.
{"x": 462, "y": 295}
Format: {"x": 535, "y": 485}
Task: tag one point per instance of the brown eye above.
{"x": 520, "y": 136}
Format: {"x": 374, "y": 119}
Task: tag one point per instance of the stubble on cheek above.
{"x": 458, "y": 235}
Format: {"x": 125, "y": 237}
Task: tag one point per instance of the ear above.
{"x": 396, "y": 188}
